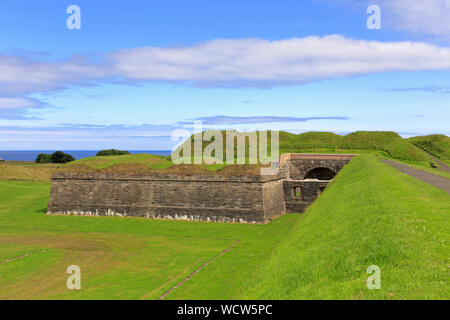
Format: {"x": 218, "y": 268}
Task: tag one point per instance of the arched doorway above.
{"x": 320, "y": 173}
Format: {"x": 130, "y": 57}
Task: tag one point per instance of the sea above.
{"x": 30, "y": 155}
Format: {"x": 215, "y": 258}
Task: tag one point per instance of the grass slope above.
{"x": 438, "y": 145}
{"x": 387, "y": 143}
{"x": 121, "y": 258}
{"x": 370, "y": 215}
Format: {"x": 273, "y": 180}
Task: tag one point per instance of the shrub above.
{"x": 43, "y": 158}
{"x": 112, "y": 152}
{"x": 61, "y": 157}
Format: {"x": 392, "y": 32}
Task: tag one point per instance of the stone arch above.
{"x": 320, "y": 173}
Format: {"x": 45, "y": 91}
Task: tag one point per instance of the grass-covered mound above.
{"x": 370, "y": 215}
{"x": 138, "y": 164}
{"x": 309, "y": 141}
{"x": 438, "y": 145}
{"x": 386, "y": 143}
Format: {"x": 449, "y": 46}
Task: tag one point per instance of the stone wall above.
{"x": 298, "y": 165}
{"x": 273, "y": 198}
{"x": 252, "y": 199}
{"x": 249, "y": 199}
{"x": 309, "y": 191}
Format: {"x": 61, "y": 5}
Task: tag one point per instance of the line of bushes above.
{"x": 112, "y": 152}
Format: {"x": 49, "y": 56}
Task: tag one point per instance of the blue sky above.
{"x": 138, "y": 70}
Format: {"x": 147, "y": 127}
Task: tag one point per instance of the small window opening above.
{"x": 321, "y": 189}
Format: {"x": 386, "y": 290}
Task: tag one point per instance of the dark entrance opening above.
{"x": 320, "y": 174}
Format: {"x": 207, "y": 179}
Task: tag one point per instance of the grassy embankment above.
{"x": 388, "y": 144}
{"x": 438, "y": 145}
{"x": 370, "y": 215}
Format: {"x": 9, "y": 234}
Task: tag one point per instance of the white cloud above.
{"x": 86, "y": 137}
{"x": 430, "y": 17}
{"x": 17, "y": 103}
{"x": 222, "y": 62}
{"x": 256, "y": 62}
{"x": 227, "y": 120}
{"x": 19, "y": 75}
{"x": 419, "y": 17}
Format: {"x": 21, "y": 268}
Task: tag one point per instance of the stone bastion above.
{"x": 298, "y": 181}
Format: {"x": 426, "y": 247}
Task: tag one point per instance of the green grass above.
{"x": 437, "y": 145}
{"x": 121, "y": 258}
{"x": 384, "y": 143}
{"x": 99, "y": 163}
{"x": 370, "y": 215}
{"x": 146, "y": 163}
{"x": 30, "y": 171}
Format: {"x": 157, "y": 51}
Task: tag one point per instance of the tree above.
{"x": 61, "y": 157}
{"x": 43, "y": 158}
{"x": 111, "y": 152}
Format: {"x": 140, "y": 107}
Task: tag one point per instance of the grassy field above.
{"x": 370, "y": 215}
{"x": 21, "y": 170}
{"x": 120, "y": 258}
